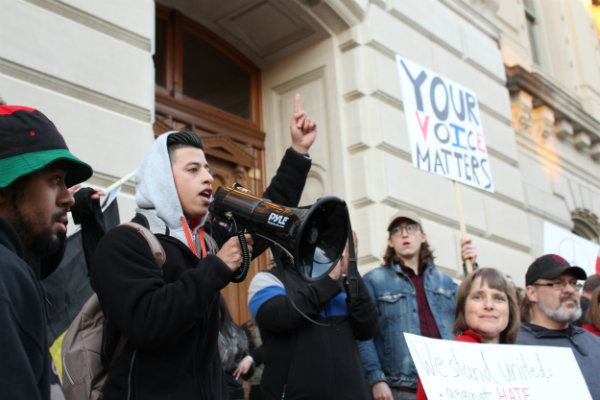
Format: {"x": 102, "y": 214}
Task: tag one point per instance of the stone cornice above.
{"x": 545, "y": 92}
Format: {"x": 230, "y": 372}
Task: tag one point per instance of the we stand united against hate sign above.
{"x": 444, "y": 126}
{"x": 451, "y": 370}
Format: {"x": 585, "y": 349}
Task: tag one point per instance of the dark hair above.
{"x": 425, "y": 253}
{"x": 524, "y": 304}
{"x": 591, "y": 283}
{"x": 16, "y": 190}
{"x": 494, "y": 280}
{"x": 179, "y": 139}
{"x": 593, "y": 312}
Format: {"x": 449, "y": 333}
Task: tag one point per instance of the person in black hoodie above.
{"x": 36, "y": 169}
{"x": 170, "y": 316}
{"x": 309, "y": 332}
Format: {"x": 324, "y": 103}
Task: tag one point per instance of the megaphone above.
{"x": 314, "y": 236}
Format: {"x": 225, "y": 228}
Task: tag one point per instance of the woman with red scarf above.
{"x": 486, "y": 311}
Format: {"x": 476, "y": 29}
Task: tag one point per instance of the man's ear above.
{"x": 531, "y": 293}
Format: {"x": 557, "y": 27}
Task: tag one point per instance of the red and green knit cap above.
{"x": 29, "y": 141}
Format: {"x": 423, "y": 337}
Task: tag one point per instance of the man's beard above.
{"x": 42, "y": 243}
{"x": 561, "y": 314}
{"x": 46, "y": 243}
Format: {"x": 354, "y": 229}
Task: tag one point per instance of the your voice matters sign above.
{"x": 444, "y": 126}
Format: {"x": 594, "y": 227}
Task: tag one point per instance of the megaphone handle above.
{"x": 242, "y": 272}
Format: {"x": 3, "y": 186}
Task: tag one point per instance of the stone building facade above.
{"x": 113, "y": 74}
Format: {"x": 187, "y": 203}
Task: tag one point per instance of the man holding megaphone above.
{"x": 170, "y": 315}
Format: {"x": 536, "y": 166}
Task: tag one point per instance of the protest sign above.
{"x": 444, "y": 126}
{"x": 573, "y": 248}
{"x": 469, "y": 371}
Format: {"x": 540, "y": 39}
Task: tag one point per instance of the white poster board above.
{"x": 575, "y": 249}
{"x": 444, "y": 126}
{"x": 459, "y": 370}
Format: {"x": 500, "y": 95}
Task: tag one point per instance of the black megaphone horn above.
{"x": 314, "y": 236}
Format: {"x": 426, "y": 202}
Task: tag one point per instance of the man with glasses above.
{"x": 411, "y": 295}
{"x": 553, "y": 292}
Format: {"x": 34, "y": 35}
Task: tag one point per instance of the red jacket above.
{"x": 591, "y": 328}
{"x": 468, "y": 336}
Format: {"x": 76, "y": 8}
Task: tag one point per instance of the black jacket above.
{"x": 303, "y": 359}
{"x": 170, "y": 317}
{"x": 25, "y": 365}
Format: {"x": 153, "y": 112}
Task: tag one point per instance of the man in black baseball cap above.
{"x": 553, "y": 293}
{"x": 36, "y": 168}
{"x": 551, "y": 266}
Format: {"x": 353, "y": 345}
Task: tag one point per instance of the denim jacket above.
{"x": 386, "y": 356}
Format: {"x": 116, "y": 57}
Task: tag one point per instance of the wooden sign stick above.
{"x": 461, "y": 222}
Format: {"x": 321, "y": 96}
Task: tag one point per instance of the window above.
{"x": 213, "y": 78}
{"x": 586, "y": 225}
{"x": 530, "y": 17}
{"x": 196, "y": 67}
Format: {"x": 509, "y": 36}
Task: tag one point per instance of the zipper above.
{"x": 195, "y": 241}
{"x": 198, "y": 245}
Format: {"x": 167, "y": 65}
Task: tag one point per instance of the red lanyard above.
{"x": 188, "y": 236}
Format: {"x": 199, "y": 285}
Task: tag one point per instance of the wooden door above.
{"x": 206, "y": 86}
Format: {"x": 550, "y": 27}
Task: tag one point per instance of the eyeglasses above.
{"x": 561, "y": 285}
{"x": 410, "y": 229}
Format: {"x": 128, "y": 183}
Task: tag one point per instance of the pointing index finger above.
{"x": 297, "y": 103}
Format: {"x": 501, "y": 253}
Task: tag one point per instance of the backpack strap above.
{"x": 157, "y": 250}
{"x": 159, "y": 256}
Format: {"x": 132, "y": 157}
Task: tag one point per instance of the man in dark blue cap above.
{"x": 553, "y": 294}
{"x": 36, "y": 168}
